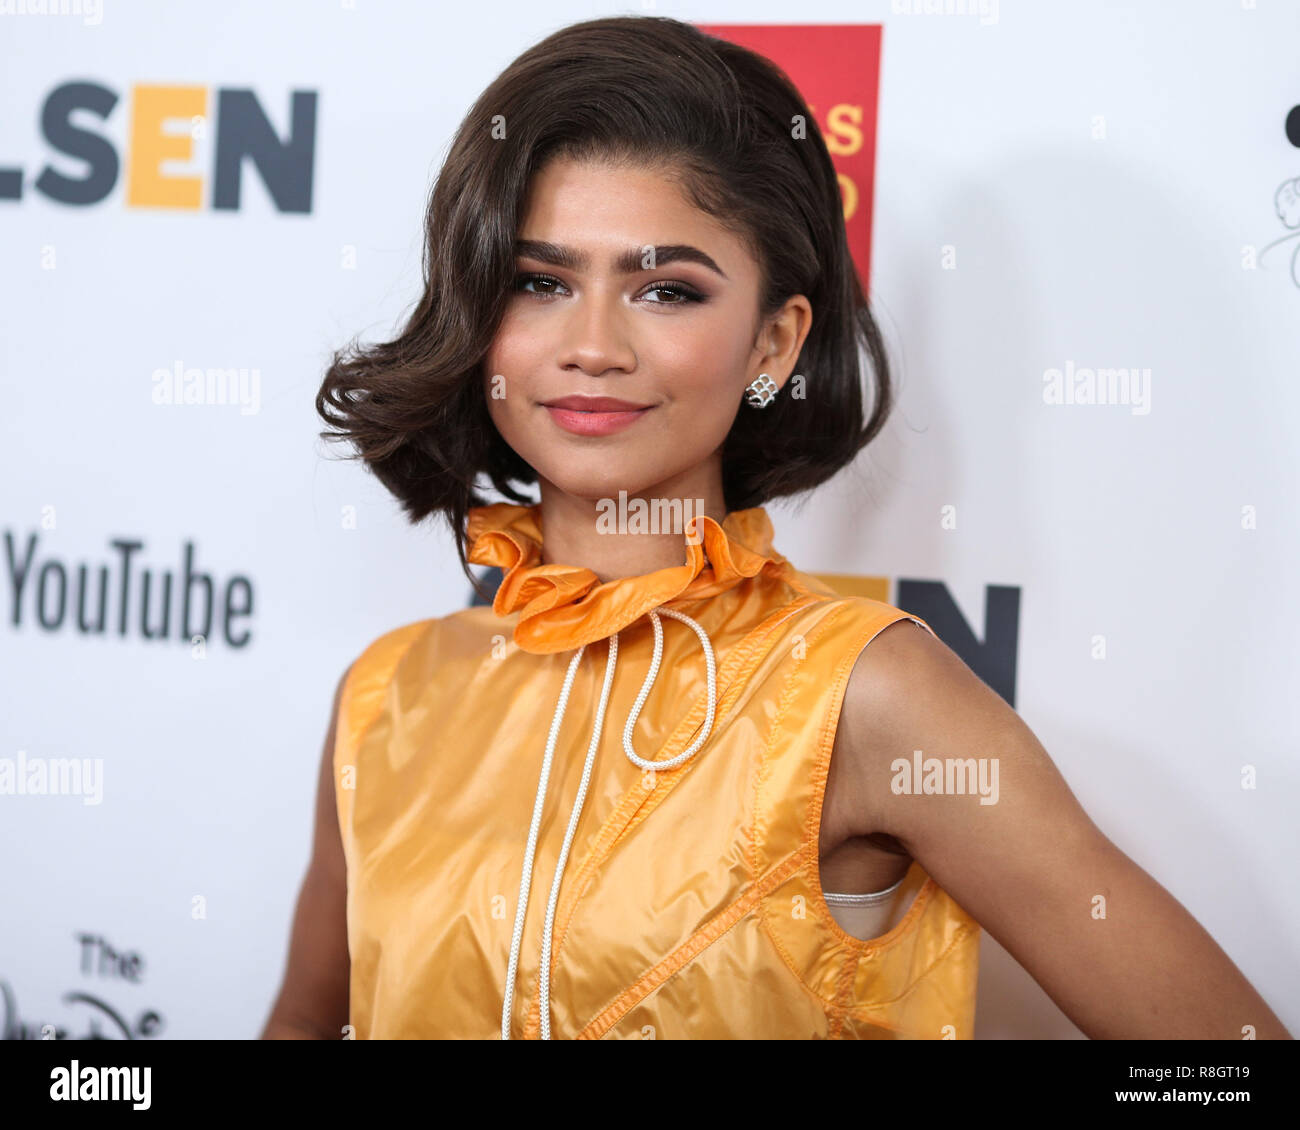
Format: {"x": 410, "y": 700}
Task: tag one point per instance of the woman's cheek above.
{"x": 716, "y": 408}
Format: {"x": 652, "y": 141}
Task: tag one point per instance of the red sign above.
{"x": 837, "y": 70}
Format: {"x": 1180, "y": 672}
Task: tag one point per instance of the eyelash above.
{"x": 687, "y": 294}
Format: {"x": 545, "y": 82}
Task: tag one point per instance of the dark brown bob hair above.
{"x": 731, "y": 129}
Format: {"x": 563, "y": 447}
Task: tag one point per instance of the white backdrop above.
{"x": 1058, "y": 185}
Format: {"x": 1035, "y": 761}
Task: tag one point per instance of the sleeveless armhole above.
{"x": 365, "y": 691}
{"x": 875, "y": 985}
{"x": 915, "y": 885}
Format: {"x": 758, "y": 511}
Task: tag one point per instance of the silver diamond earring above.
{"x": 761, "y": 391}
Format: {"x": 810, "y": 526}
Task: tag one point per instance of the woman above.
{"x": 736, "y": 854}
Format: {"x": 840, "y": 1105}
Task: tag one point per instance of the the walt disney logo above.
{"x": 103, "y": 1021}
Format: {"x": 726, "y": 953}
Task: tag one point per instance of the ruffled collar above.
{"x": 563, "y": 607}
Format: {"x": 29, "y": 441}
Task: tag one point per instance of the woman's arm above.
{"x": 313, "y": 1001}
{"x": 1031, "y": 868}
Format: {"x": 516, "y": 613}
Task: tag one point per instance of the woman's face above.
{"x": 625, "y": 290}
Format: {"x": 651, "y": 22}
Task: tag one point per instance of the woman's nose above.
{"x": 597, "y": 334}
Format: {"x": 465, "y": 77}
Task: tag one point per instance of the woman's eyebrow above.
{"x": 628, "y": 262}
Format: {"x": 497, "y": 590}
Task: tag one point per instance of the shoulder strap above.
{"x": 368, "y": 679}
{"x": 825, "y": 644}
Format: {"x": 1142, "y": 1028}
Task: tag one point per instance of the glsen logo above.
{"x": 239, "y": 128}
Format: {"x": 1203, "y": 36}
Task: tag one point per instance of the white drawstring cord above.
{"x": 545, "y": 983}
{"x": 526, "y": 880}
{"x": 687, "y": 753}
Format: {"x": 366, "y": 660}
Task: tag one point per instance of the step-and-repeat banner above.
{"x": 1080, "y": 226}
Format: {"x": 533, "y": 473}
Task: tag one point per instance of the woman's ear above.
{"x": 781, "y": 339}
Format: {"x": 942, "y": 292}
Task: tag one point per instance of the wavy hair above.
{"x": 653, "y": 92}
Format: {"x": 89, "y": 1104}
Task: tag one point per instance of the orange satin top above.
{"x": 688, "y": 901}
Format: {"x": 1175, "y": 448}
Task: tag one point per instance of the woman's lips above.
{"x": 594, "y": 423}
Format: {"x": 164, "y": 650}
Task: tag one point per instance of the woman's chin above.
{"x": 600, "y": 484}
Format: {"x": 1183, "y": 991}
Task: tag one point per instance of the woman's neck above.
{"x": 625, "y": 535}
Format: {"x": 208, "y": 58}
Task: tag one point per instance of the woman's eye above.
{"x": 678, "y": 294}
{"x": 682, "y": 294}
{"x": 522, "y": 281}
